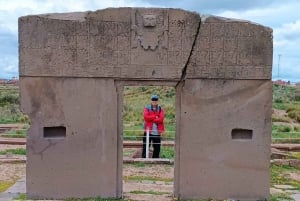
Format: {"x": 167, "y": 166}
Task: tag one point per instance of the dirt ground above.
{"x": 283, "y": 114}
{"x": 11, "y": 171}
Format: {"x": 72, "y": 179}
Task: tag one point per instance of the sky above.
{"x": 282, "y": 16}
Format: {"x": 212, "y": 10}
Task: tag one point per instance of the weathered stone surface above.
{"x": 108, "y": 43}
{"x": 231, "y": 49}
{"x": 73, "y": 69}
{"x": 81, "y": 163}
{"x": 211, "y": 162}
{"x": 118, "y": 43}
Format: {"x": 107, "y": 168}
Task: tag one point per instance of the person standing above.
{"x": 154, "y": 121}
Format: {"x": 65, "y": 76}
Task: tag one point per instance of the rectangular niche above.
{"x": 55, "y": 132}
{"x": 241, "y": 134}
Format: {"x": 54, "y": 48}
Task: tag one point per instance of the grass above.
{"x": 19, "y": 133}
{"x": 285, "y": 134}
{"x": 4, "y": 185}
{"x": 139, "y": 164}
{"x": 19, "y": 151}
{"x": 278, "y": 176}
{"x": 22, "y": 196}
{"x": 280, "y": 119}
{"x": 9, "y": 105}
{"x": 294, "y": 113}
{"x": 128, "y": 152}
{"x": 281, "y": 197}
{"x": 167, "y": 152}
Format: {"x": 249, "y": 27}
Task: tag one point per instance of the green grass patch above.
{"x": 278, "y": 176}
{"x": 128, "y": 152}
{"x": 139, "y": 164}
{"x": 149, "y": 178}
{"x": 282, "y": 140}
{"x": 297, "y": 128}
{"x": 295, "y": 154}
{"x": 4, "y": 185}
{"x": 280, "y": 119}
{"x": 22, "y": 196}
{"x": 149, "y": 192}
{"x": 19, "y": 151}
{"x": 286, "y": 134}
{"x": 19, "y": 133}
{"x": 167, "y": 152}
{"x": 281, "y": 197}
{"x": 294, "y": 113}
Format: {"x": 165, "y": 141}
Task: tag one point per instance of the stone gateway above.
{"x": 73, "y": 68}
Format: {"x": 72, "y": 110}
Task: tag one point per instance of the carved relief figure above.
{"x": 149, "y": 30}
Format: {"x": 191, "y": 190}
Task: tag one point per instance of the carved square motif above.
{"x": 205, "y": 30}
{"x": 203, "y": 58}
{"x": 103, "y": 43}
{"x": 231, "y": 30}
{"x": 216, "y": 44}
{"x": 246, "y": 30}
{"x": 174, "y": 44}
{"x": 230, "y": 44}
{"x": 202, "y": 43}
{"x": 96, "y": 28}
{"x": 245, "y": 57}
{"x": 110, "y": 28}
{"x": 217, "y": 29}
{"x": 123, "y": 57}
{"x": 82, "y": 57}
{"x": 149, "y": 20}
{"x": 123, "y": 29}
{"x": 230, "y": 72}
{"x": 230, "y": 58}
{"x": 123, "y": 43}
{"x": 82, "y": 41}
{"x": 82, "y": 28}
{"x": 245, "y": 44}
{"x": 216, "y": 57}
{"x": 174, "y": 58}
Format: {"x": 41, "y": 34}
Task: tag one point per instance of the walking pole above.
{"x": 147, "y": 143}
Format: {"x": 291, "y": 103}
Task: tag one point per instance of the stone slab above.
{"x": 212, "y": 162}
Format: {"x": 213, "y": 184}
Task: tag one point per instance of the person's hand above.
{"x": 156, "y": 120}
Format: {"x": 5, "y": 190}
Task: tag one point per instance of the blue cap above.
{"x": 154, "y": 97}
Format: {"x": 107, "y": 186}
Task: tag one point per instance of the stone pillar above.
{"x": 224, "y": 142}
{"x": 72, "y": 141}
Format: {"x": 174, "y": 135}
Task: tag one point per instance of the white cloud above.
{"x": 282, "y": 16}
{"x": 289, "y": 30}
{"x": 8, "y": 67}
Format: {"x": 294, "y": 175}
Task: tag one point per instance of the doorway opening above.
{"x": 143, "y": 176}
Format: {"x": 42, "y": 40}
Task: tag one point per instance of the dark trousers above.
{"x": 155, "y": 139}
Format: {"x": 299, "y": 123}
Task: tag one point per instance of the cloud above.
{"x": 289, "y": 31}
{"x": 282, "y": 16}
{"x": 9, "y": 44}
{"x": 8, "y": 66}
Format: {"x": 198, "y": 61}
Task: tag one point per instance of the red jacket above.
{"x": 151, "y": 117}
